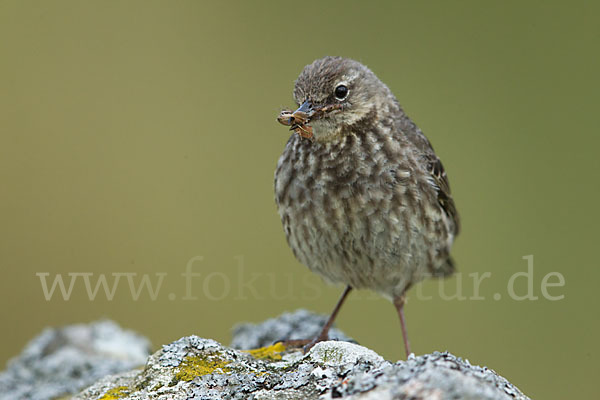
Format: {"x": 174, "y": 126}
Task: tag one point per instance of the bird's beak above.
{"x": 299, "y": 118}
{"x": 305, "y": 108}
{"x": 303, "y": 114}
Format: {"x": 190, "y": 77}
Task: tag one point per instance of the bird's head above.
{"x": 332, "y": 95}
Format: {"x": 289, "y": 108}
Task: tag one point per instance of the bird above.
{"x": 364, "y": 200}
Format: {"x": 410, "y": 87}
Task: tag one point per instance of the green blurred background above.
{"x": 137, "y": 135}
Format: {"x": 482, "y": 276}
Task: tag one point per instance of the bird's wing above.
{"x": 440, "y": 181}
{"x": 434, "y": 167}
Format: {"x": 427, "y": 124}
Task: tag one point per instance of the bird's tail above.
{"x": 446, "y": 269}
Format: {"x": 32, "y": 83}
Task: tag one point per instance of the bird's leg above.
{"x": 324, "y": 335}
{"x": 399, "y": 303}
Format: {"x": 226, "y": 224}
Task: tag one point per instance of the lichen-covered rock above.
{"x": 300, "y": 324}
{"x": 196, "y": 368}
{"x": 65, "y": 360}
{"x": 62, "y": 361}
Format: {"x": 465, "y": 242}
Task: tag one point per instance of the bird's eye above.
{"x": 341, "y": 92}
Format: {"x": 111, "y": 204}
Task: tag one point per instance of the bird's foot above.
{"x": 320, "y": 338}
{"x": 304, "y": 344}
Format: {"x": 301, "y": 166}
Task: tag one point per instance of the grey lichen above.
{"x": 195, "y": 368}
{"x": 63, "y": 361}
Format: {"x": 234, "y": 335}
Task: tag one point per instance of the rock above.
{"x": 300, "y": 324}
{"x": 196, "y": 368}
{"x": 66, "y": 360}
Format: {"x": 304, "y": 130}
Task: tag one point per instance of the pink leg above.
{"x": 324, "y": 335}
{"x": 399, "y": 303}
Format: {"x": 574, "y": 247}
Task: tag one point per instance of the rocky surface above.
{"x": 65, "y": 360}
{"x": 195, "y": 368}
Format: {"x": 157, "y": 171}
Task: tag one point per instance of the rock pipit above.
{"x": 363, "y": 198}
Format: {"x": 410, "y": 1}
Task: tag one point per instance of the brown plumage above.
{"x": 365, "y": 201}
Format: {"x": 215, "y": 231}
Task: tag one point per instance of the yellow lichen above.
{"x": 269, "y": 352}
{"x": 193, "y": 366}
{"x": 116, "y": 393}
